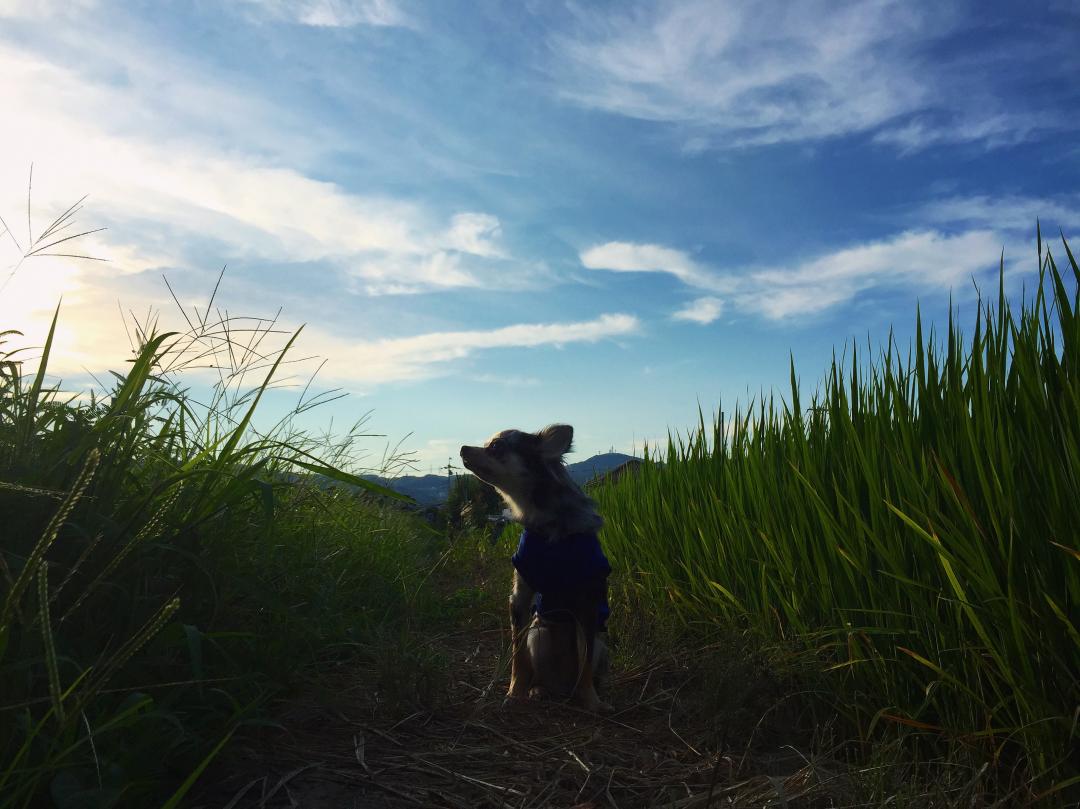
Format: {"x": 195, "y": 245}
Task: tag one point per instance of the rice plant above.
{"x": 913, "y": 527}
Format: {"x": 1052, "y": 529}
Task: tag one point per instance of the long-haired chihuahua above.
{"x": 558, "y": 605}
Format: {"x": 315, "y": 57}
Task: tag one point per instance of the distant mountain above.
{"x": 583, "y": 471}
{"x": 429, "y": 490}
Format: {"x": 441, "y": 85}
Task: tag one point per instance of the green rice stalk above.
{"x": 911, "y": 528}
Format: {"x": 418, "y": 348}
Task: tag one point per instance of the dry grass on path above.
{"x": 342, "y": 747}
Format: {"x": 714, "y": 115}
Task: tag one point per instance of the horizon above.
{"x": 496, "y": 216}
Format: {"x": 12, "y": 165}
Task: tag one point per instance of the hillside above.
{"x": 429, "y": 490}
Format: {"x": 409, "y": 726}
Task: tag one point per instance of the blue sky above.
{"x": 507, "y": 214}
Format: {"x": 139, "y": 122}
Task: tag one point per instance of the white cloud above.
{"x": 332, "y": 13}
{"x": 920, "y": 259}
{"x": 922, "y": 256}
{"x": 703, "y": 311}
{"x": 995, "y": 130}
{"x": 1006, "y": 212}
{"x": 509, "y": 381}
{"x": 91, "y": 332}
{"x": 407, "y": 275}
{"x": 166, "y": 194}
{"x": 44, "y": 9}
{"x": 768, "y": 71}
{"x": 177, "y": 193}
{"x": 173, "y": 184}
{"x": 257, "y": 208}
{"x": 635, "y": 257}
{"x": 426, "y": 355}
{"x": 474, "y": 233}
{"x": 917, "y": 258}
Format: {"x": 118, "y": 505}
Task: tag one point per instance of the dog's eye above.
{"x": 497, "y": 448}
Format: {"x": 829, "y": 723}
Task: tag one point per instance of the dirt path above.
{"x": 661, "y": 748}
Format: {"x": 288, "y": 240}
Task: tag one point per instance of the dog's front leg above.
{"x": 587, "y": 619}
{"x": 585, "y": 690}
{"x": 521, "y": 667}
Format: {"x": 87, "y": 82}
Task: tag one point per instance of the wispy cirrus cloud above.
{"x": 758, "y": 73}
{"x": 369, "y": 363}
{"x": 44, "y": 9}
{"x": 183, "y": 188}
{"x": 638, "y": 257}
{"x": 91, "y": 337}
{"x": 177, "y": 193}
{"x": 331, "y": 13}
{"x": 476, "y": 234}
{"x": 254, "y": 207}
{"x": 1008, "y": 212}
{"x": 946, "y": 241}
{"x": 995, "y": 130}
{"x": 923, "y": 258}
{"x": 404, "y": 274}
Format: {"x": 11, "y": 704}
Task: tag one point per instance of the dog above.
{"x": 558, "y": 604}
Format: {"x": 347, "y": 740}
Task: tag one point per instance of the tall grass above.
{"x": 915, "y": 525}
{"x": 165, "y": 566}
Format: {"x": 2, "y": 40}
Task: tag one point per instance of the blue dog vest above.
{"x": 559, "y": 570}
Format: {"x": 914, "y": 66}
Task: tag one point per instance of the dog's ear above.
{"x": 555, "y": 440}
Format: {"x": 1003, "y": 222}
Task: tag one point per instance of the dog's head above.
{"x": 515, "y": 462}
{"x": 528, "y": 471}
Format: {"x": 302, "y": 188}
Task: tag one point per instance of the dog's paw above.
{"x": 510, "y": 702}
{"x": 590, "y": 702}
{"x": 538, "y": 692}
{"x": 516, "y": 695}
